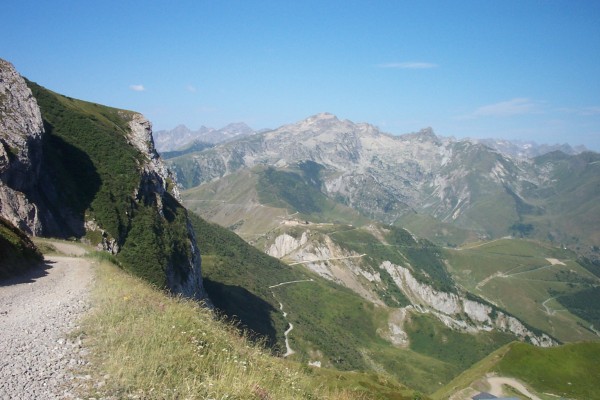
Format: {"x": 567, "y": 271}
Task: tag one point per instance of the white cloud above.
{"x": 191, "y": 89}
{"x": 137, "y": 88}
{"x": 408, "y": 65}
{"x": 518, "y": 106}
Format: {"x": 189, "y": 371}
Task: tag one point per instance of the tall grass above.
{"x": 158, "y": 347}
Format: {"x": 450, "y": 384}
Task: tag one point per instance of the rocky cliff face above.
{"x": 449, "y": 307}
{"x": 21, "y": 130}
{"x": 157, "y": 182}
{"x": 71, "y": 168}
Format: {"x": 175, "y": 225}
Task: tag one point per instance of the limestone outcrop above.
{"x": 32, "y": 198}
{"x": 450, "y": 307}
{"x": 21, "y": 130}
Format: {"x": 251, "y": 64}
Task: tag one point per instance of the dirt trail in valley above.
{"x": 288, "y": 349}
{"x": 496, "y": 383}
{"x": 37, "y": 311}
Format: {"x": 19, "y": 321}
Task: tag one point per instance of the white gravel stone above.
{"x": 37, "y": 311}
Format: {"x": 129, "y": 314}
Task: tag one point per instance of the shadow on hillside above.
{"x": 29, "y": 275}
{"x": 70, "y": 183}
{"x": 243, "y": 307}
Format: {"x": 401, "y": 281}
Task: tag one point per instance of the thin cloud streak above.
{"x": 408, "y": 65}
{"x": 508, "y": 108}
{"x": 137, "y": 88}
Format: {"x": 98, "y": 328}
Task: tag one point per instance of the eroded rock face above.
{"x": 285, "y": 244}
{"x": 28, "y": 196}
{"x": 449, "y": 307}
{"x": 156, "y": 182}
{"x": 21, "y": 130}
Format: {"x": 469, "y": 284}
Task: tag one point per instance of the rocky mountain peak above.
{"x": 237, "y": 128}
{"x": 319, "y": 121}
{"x": 424, "y": 135}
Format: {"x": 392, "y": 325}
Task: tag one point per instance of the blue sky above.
{"x": 511, "y": 69}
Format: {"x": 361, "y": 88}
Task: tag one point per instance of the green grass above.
{"x": 430, "y": 337}
{"x": 585, "y": 304}
{"x": 158, "y": 347}
{"x": 233, "y": 201}
{"x": 399, "y": 247}
{"x": 516, "y": 275}
{"x": 331, "y": 320}
{"x": 237, "y": 277}
{"x": 96, "y": 175}
{"x": 17, "y": 252}
{"x": 570, "y": 370}
{"x": 298, "y": 190}
{"x": 331, "y": 324}
{"x": 88, "y": 157}
{"x": 471, "y": 375}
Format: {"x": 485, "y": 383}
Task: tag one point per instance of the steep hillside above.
{"x": 529, "y": 279}
{"x": 70, "y": 168}
{"x": 176, "y": 349}
{"x": 413, "y": 319}
{"x": 17, "y": 251}
{"x": 569, "y": 195}
{"x": 567, "y": 371}
{"x": 111, "y": 178}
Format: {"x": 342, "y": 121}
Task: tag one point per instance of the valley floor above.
{"x": 37, "y": 310}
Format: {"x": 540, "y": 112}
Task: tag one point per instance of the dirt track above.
{"x": 496, "y": 383}
{"x": 37, "y": 311}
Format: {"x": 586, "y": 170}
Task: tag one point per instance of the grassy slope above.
{"x": 175, "y": 349}
{"x": 569, "y": 370}
{"x": 232, "y": 201}
{"x": 516, "y": 275}
{"x": 571, "y": 202}
{"x": 440, "y": 233}
{"x": 17, "y": 251}
{"x": 96, "y": 172}
{"x": 331, "y": 324}
{"x": 298, "y": 190}
{"x": 401, "y": 248}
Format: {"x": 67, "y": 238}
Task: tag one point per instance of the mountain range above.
{"x": 443, "y": 236}
{"x": 447, "y": 190}
{"x": 325, "y": 273}
{"x": 181, "y": 137}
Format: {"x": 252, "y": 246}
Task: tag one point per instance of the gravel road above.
{"x": 497, "y": 382}
{"x": 37, "y": 311}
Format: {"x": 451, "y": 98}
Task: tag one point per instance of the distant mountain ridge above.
{"x": 181, "y": 136}
{"x": 393, "y": 179}
{"x": 528, "y": 149}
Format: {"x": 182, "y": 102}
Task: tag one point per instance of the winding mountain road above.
{"x": 288, "y": 349}
{"x": 37, "y": 311}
